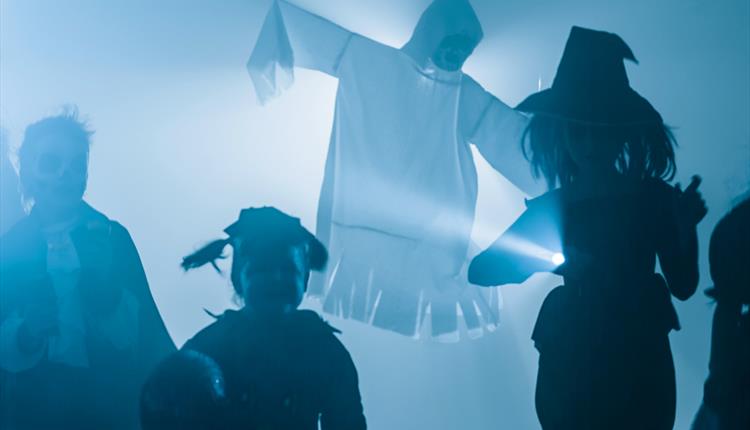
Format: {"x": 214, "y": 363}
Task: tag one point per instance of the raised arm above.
{"x": 497, "y": 130}
{"x": 293, "y": 37}
{"x": 678, "y": 239}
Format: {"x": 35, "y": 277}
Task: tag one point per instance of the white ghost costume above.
{"x": 400, "y": 187}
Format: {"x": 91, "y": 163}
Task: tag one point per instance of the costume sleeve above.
{"x": 154, "y": 342}
{"x": 497, "y": 130}
{"x": 676, "y": 244}
{"x": 522, "y": 250}
{"x": 12, "y": 359}
{"x": 293, "y": 37}
{"x": 343, "y": 407}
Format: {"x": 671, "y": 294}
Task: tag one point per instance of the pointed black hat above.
{"x": 591, "y": 85}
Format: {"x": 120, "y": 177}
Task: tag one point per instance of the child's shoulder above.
{"x": 311, "y": 321}
{"x": 215, "y": 333}
{"x": 315, "y": 334}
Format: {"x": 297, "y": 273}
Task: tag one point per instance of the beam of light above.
{"x": 430, "y": 215}
{"x": 521, "y": 245}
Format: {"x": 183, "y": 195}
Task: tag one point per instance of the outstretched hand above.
{"x": 689, "y": 204}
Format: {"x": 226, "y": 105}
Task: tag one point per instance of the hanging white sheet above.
{"x": 400, "y": 186}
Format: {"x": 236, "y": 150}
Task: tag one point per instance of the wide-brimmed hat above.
{"x": 591, "y": 85}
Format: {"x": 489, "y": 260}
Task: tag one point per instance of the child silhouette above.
{"x": 605, "y": 359}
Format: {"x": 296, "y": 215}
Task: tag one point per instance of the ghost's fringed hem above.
{"x": 372, "y": 278}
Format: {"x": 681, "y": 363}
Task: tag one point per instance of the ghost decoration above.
{"x": 400, "y": 186}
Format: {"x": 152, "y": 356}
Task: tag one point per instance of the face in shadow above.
{"x": 593, "y": 148}
{"x": 274, "y": 280}
{"x": 58, "y": 172}
{"x": 452, "y": 52}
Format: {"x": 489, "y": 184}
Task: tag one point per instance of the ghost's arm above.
{"x": 293, "y": 37}
{"x": 497, "y": 131}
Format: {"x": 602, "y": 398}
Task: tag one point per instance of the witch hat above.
{"x": 591, "y": 85}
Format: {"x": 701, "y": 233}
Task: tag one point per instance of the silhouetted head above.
{"x": 729, "y": 254}
{"x": 273, "y": 255}
{"x": 53, "y": 161}
{"x": 591, "y": 119}
{"x": 446, "y": 34}
{"x": 559, "y": 149}
{"x": 185, "y": 391}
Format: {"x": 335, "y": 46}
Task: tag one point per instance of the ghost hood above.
{"x": 441, "y": 19}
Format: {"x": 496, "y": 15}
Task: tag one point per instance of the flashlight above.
{"x": 558, "y": 259}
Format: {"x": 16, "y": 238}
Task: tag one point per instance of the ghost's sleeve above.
{"x": 497, "y": 131}
{"x": 293, "y": 37}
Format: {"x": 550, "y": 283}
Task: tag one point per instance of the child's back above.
{"x": 284, "y": 373}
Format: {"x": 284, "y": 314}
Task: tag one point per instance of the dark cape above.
{"x": 104, "y": 394}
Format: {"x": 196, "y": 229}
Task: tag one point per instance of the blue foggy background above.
{"x": 181, "y": 145}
